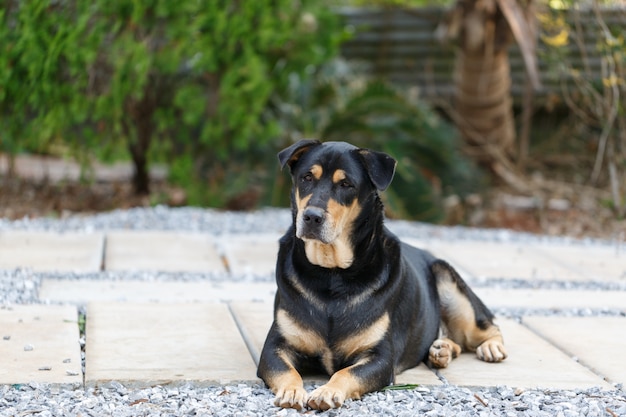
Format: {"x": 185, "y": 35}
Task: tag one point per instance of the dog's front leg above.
{"x": 281, "y": 377}
{"x": 368, "y": 374}
{"x": 278, "y": 369}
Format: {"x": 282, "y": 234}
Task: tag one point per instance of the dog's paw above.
{"x": 291, "y": 397}
{"x": 326, "y": 397}
{"x": 491, "y": 350}
{"x": 442, "y": 352}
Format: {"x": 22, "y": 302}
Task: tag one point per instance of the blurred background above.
{"x": 501, "y": 113}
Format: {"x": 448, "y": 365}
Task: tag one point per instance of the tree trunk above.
{"x": 141, "y": 176}
{"x": 483, "y": 30}
{"x": 483, "y": 102}
{"x": 139, "y": 137}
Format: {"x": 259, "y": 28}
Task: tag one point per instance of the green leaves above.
{"x": 194, "y": 77}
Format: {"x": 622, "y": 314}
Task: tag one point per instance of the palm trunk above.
{"x": 483, "y": 31}
{"x": 484, "y": 104}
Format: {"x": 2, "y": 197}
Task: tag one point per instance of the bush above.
{"x": 163, "y": 79}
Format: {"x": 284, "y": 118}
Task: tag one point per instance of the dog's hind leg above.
{"x": 467, "y": 324}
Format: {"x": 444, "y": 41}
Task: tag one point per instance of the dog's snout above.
{"x": 313, "y": 216}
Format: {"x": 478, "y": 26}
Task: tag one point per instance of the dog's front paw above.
{"x": 326, "y": 397}
{"x": 291, "y": 397}
{"x": 491, "y": 350}
{"x": 442, "y": 352}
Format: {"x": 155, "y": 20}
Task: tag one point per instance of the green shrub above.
{"x": 162, "y": 79}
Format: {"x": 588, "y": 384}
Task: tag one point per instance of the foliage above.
{"x": 184, "y": 80}
{"x": 213, "y": 89}
{"x": 392, "y": 3}
{"x": 598, "y": 104}
{"x": 31, "y": 66}
{"x": 340, "y": 105}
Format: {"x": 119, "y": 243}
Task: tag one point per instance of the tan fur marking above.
{"x": 317, "y": 171}
{"x": 339, "y": 175}
{"x": 338, "y": 253}
{"x": 366, "y": 338}
{"x": 287, "y": 386}
{"x": 442, "y": 351}
{"x": 341, "y": 386}
{"x": 458, "y": 315}
{"x": 308, "y": 295}
{"x": 304, "y": 340}
{"x": 302, "y": 202}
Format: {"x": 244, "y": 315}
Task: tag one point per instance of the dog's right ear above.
{"x": 291, "y": 154}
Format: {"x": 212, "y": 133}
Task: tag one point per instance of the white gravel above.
{"x": 254, "y": 400}
{"x": 21, "y": 287}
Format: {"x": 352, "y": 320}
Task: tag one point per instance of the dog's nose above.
{"x": 313, "y": 216}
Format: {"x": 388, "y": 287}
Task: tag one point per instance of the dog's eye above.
{"x": 345, "y": 184}
{"x": 307, "y": 177}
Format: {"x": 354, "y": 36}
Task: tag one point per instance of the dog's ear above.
{"x": 380, "y": 167}
{"x": 291, "y": 154}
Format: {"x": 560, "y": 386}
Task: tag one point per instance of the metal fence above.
{"x": 400, "y": 45}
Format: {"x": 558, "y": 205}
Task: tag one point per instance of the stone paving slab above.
{"x": 251, "y": 254}
{"x": 532, "y": 363}
{"x": 143, "y": 344}
{"x": 45, "y": 251}
{"x": 551, "y": 298}
{"x": 254, "y": 321}
{"x": 597, "y": 342}
{"x": 161, "y": 251}
{"x": 602, "y": 263}
{"x": 503, "y": 260}
{"x": 39, "y": 344}
{"x": 82, "y": 292}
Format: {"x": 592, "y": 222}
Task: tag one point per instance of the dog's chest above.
{"x": 337, "y": 340}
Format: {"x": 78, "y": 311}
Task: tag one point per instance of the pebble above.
{"x": 255, "y": 400}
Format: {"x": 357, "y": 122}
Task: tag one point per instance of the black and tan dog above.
{"x": 352, "y": 300}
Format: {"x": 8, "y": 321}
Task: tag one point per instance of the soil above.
{"x": 499, "y": 208}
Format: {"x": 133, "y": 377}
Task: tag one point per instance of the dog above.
{"x": 353, "y": 301}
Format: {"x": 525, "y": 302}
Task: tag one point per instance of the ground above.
{"x": 498, "y": 208}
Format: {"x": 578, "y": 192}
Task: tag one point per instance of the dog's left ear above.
{"x": 380, "y": 167}
{"x": 291, "y": 154}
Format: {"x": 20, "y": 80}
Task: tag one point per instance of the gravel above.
{"x": 20, "y": 286}
{"x": 254, "y": 400}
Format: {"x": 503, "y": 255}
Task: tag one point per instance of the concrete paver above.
{"x": 143, "y": 344}
{"x": 44, "y": 251}
{"x": 146, "y": 332}
{"x": 597, "y": 342}
{"x": 602, "y": 263}
{"x": 503, "y": 260}
{"x": 254, "y": 321}
{"x": 82, "y": 292}
{"x": 532, "y": 363}
{"x": 251, "y": 254}
{"x": 39, "y": 344}
{"x": 551, "y": 298}
{"x": 161, "y": 251}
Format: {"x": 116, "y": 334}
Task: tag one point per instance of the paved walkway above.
{"x": 142, "y": 332}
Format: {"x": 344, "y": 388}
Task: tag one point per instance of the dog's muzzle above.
{"x": 312, "y": 224}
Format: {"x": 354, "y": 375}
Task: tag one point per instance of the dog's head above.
{"x": 332, "y": 181}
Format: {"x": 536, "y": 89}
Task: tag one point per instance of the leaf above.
{"x": 400, "y": 387}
